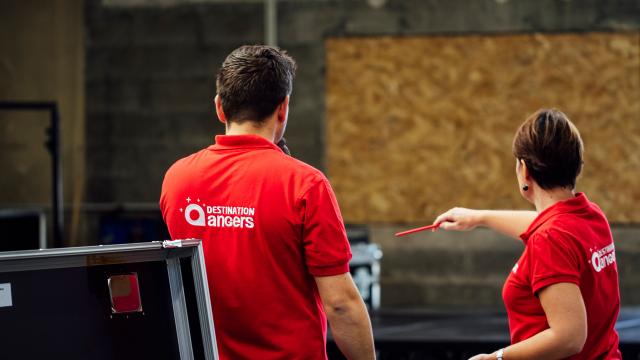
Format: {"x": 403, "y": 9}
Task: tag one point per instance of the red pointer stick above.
{"x": 407, "y": 232}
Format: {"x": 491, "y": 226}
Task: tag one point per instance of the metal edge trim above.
{"x": 81, "y": 250}
{"x": 96, "y": 259}
{"x": 205, "y": 311}
{"x": 179, "y": 309}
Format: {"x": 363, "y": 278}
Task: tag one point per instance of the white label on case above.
{"x": 5, "y": 295}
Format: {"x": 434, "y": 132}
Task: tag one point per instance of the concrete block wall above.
{"x": 150, "y": 69}
{"x": 150, "y": 87}
{"x": 150, "y": 84}
{"x": 459, "y": 270}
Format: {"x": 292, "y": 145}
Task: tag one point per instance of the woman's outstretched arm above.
{"x": 509, "y": 222}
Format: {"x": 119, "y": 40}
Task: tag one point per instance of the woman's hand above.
{"x": 483, "y": 357}
{"x": 459, "y": 219}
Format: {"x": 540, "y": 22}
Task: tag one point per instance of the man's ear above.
{"x": 219, "y": 111}
{"x": 283, "y": 109}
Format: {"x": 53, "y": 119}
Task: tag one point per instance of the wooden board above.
{"x": 416, "y": 125}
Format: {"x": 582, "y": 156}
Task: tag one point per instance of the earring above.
{"x": 525, "y": 187}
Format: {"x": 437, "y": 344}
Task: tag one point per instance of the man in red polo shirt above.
{"x": 276, "y": 251}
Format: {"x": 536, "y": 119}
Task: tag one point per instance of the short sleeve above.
{"x": 326, "y": 248}
{"x": 553, "y": 259}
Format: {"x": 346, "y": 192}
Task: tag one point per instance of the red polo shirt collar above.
{"x": 574, "y": 204}
{"x": 232, "y": 142}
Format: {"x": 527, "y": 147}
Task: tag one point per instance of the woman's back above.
{"x": 571, "y": 242}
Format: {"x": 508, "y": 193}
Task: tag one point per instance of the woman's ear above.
{"x": 219, "y": 111}
{"x": 525, "y": 170}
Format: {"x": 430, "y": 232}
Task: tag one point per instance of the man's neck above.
{"x": 265, "y": 130}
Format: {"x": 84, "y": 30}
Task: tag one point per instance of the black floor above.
{"x": 414, "y": 335}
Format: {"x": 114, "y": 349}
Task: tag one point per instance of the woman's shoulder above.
{"x": 575, "y": 230}
{"x": 555, "y": 231}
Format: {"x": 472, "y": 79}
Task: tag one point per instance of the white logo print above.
{"x": 201, "y": 214}
{"x": 200, "y": 220}
{"x": 515, "y": 268}
{"x": 604, "y": 257}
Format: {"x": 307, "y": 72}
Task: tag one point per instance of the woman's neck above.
{"x": 543, "y": 199}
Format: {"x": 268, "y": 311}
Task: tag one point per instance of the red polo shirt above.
{"x": 569, "y": 242}
{"x": 269, "y": 223}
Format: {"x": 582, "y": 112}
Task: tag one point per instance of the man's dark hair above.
{"x": 551, "y": 147}
{"x": 253, "y": 81}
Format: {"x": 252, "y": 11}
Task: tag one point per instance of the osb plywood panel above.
{"x": 417, "y": 125}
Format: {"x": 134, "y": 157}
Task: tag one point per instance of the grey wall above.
{"x": 149, "y": 81}
{"x": 462, "y": 270}
{"x": 150, "y": 70}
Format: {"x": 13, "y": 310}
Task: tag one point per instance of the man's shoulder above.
{"x": 272, "y": 162}
{"x": 184, "y": 167}
{"x": 291, "y": 165}
{"x": 187, "y": 161}
{"x": 301, "y": 166}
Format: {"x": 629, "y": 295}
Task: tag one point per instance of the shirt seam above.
{"x": 320, "y": 179}
{"x": 553, "y": 211}
{"x": 316, "y": 180}
{"x": 231, "y": 148}
{"x": 537, "y": 285}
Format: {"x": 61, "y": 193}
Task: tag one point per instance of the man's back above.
{"x": 269, "y": 224}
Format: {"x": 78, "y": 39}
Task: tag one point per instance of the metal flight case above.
{"x": 132, "y": 301}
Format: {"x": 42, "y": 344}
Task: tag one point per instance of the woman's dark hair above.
{"x": 253, "y": 81}
{"x": 551, "y": 147}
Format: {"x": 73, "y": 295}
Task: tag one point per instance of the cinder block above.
{"x": 150, "y": 84}
{"x": 98, "y": 130}
{"x": 181, "y": 95}
{"x": 96, "y": 97}
{"x": 141, "y": 161}
{"x": 310, "y": 22}
{"x": 305, "y": 127}
{"x": 232, "y": 24}
{"x": 116, "y": 63}
{"x": 309, "y": 57}
{"x": 98, "y": 62}
{"x": 128, "y": 150}
{"x": 108, "y": 27}
{"x": 439, "y": 265}
{"x": 490, "y": 16}
{"x": 110, "y": 95}
{"x": 100, "y": 188}
{"x": 305, "y": 148}
{"x": 460, "y": 16}
{"x": 370, "y": 21}
{"x": 476, "y": 295}
{"x": 629, "y": 294}
{"x": 166, "y": 26}
{"x": 449, "y": 262}
{"x": 155, "y": 62}
{"x": 626, "y": 237}
{"x": 627, "y": 240}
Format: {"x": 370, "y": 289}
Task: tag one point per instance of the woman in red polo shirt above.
{"x": 562, "y": 296}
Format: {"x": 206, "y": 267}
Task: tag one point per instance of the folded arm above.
{"x": 565, "y": 311}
